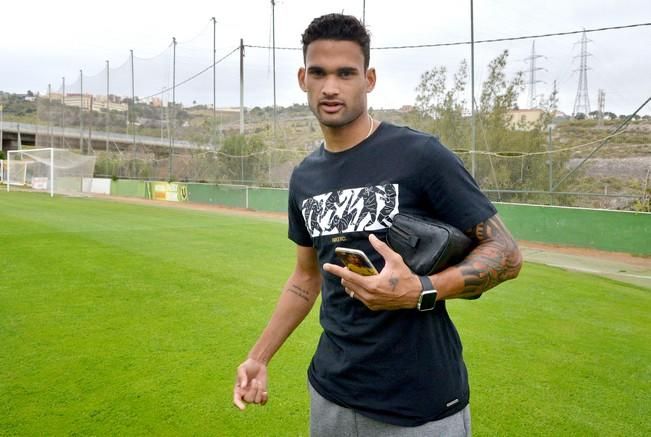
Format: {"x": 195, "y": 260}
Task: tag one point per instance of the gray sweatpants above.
{"x": 329, "y": 420}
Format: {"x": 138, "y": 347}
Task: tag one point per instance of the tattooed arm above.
{"x": 495, "y": 259}
{"x": 295, "y": 302}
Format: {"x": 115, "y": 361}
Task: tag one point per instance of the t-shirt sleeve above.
{"x": 452, "y": 192}
{"x": 297, "y": 231}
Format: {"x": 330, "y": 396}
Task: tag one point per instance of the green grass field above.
{"x": 131, "y": 319}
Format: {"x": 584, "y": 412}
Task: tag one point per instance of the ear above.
{"x": 301, "y": 79}
{"x": 370, "y": 79}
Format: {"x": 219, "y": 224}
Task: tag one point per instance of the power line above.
{"x": 458, "y": 43}
{"x": 194, "y": 76}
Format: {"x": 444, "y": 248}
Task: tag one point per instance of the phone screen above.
{"x": 356, "y": 261}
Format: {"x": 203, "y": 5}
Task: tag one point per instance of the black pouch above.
{"x": 426, "y": 245}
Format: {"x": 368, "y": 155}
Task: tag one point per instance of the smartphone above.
{"x": 356, "y": 261}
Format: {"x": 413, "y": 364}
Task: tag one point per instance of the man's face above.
{"x": 335, "y": 81}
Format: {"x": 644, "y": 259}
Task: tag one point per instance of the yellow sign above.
{"x": 169, "y": 191}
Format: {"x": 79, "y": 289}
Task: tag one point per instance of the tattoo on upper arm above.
{"x": 496, "y": 259}
{"x": 300, "y": 292}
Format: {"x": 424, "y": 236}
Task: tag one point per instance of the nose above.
{"x": 330, "y": 86}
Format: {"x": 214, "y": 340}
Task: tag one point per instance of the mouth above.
{"x": 331, "y": 106}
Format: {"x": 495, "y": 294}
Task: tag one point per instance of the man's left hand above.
{"x": 395, "y": 287}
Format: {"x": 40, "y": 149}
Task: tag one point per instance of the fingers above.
{"x": 381, "y": 247}
{"x": 255, "y": 394}
{"x": 237, "y": 397}
{"x": 346, "y": 275}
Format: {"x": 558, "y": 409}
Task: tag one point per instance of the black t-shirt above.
{"x": 401, "y": 367}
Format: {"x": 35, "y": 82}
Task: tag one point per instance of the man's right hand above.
{"x": 251, "y": 384}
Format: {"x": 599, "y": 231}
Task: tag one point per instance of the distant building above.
{"x": 89, "y": 102}
{"x": 525, "y": 119}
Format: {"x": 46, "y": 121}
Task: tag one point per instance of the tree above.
{"x": 243, "y": 158}
{"x": 441, "y": 110}
{"x": 510, "y": 155}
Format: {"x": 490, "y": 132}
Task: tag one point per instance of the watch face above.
{"x": 427, "y": 300}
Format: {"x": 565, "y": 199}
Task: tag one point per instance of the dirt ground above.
{"x": 615, "y": 265}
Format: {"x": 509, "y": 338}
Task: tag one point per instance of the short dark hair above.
{"x": 338, "y": 27}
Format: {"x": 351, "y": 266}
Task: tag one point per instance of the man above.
{"x": 383, "y": 365}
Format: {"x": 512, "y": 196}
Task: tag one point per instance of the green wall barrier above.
{"x": 268, "y": 199}
{"x": 227, "y": 195}
{"x": 128, "y": 188}
{"x": 618, "y": 231}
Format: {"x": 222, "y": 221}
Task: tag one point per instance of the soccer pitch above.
{"x": 131, "y": 319}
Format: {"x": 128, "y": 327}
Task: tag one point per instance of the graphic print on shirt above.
{"x": 351, "y": 210}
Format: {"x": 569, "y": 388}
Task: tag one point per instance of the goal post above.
{"x": 53, "y": 170}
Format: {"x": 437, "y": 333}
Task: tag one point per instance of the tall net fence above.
{"x": 177, "y": 116}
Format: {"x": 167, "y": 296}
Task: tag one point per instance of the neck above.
{"x": 338, "y": 139}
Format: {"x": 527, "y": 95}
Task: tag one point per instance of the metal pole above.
{"x": 108, "y": 116}
{"x": 473, "y": 165}
{"x": 241, "y": 86}
{"x": 364, "y": 13}
{"x": 133, "y": 115}
{"x": 81, "y": 111}
{"x": 172, "y": 133}
{"x": 273, "y": 56}
{"x": 273, "y": 39}
{"x": 63, "y": 112}
{"x": 550, "y": 165}
{"x": 89, "y": 144}
{"x": 214, "y": 76}
{"x": 49, "y": 113}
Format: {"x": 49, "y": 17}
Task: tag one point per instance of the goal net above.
{"x": 53, "y": 170}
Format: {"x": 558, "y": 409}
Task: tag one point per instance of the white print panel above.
{"x": 351, "y": 210}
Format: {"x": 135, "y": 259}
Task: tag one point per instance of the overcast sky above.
{"x": 43, "y": 41}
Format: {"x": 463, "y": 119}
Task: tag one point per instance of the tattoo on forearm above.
{"x": 300, "y": 292}
{"x": 394, "y": 282}
{"x": 496, "y": 259}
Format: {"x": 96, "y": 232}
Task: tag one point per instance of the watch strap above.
{"x": 426, "y": 283}
{"x": 427, "y": 298}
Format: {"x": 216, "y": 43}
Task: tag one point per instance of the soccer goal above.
{"x": 54, "y": 170}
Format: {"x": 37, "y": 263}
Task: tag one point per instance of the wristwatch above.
{"x": 427, "y": 299}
